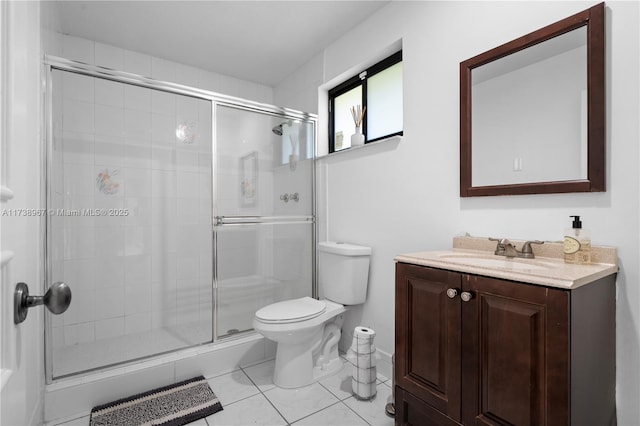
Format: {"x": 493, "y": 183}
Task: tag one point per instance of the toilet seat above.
{"x": 289, "y": 311}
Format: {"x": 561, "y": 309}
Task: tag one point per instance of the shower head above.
{"x": 278, "y": 129}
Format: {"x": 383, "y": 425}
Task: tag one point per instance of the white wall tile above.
{"x": 137, "y": 63}
{"x": 109, "y": 120}
{"x": 163, "y": 158}
{"x": 110, "y": 241}
{"x": 164, "y": 267}
{"x": 138, "y": 126}
{"x": 77, "y": 116}
{"x": 109, "y": 328}
{"x": 79, "y": 273}
{"x": 163, "y": 210}
{"x": 83, "y": 307}
{"x": 109, "y": 302}
{"x": 187, "y": 266}
{"x": 107, "y": 202}
{"x": 139, "y": 211}
{"x": 109, "y": 92}
{"x": 138, "y": 299}
{"x": 137, "y": 156}
{"x": 78, "y": 49}
{"x": 109, "y": 154}
{"x": 109, "y": 56}
{"x": 186, "y": 161}
{"x": 78, "y": 180}
{"x": 79, "y": 205}
{"x": 138, "y": 269}
{"x": 188, "y": 211}
{"x": 77, "y": 148}
{"x": 186, "y": 75}
{"x": 164, "y": 183}
{"x": 163, "y": 102}
{"x": 163, "y": 70}
{"x": 137, "y": 323}
{"x": 163, "y": 130}
{"x": 78, "y": 87}
{"x": 187, "y": 241}
{"x": 138, "y": 240}
{"x": 188, "y": 184}
{"x": 109, "y": 271}
{"x": 138, "y": 98}
{"x": 79, "y": 333}
{"x": 137, "y": 182}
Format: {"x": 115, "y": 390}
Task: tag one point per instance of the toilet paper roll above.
{"x": 363, "y": 340}
{"x": 365, "y": 375}
{"x": 363, "y": 390}
{"x": 364, "y": 333}
{"x": 362, "y": 348}
{"x": 363, "y": 360}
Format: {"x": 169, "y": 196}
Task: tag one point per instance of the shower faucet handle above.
{"x": 285, "y": 198}
{"x": 294, "y": 197}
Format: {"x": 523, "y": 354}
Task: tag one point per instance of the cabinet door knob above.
{"x": 466, "y": 296}
{"x": 452, "y": 292}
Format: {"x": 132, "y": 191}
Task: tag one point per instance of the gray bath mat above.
{"x": 174, "y": 405}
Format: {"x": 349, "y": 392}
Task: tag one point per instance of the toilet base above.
{"x": 299, "y": 365}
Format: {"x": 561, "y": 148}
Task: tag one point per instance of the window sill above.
{"x": 356, "y": 148}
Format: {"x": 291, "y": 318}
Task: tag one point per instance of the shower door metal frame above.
{"x": 52, "y": 63}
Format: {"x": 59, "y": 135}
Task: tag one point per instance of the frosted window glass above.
{"x": 384, "y": 102}
{"x": 343, "y": 122}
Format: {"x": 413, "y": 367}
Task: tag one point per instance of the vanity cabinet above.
{"x": 476, "y": 350}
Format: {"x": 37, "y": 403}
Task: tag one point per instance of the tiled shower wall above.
{"x": 116, "y": 148}
{"x": 142, "y": 260}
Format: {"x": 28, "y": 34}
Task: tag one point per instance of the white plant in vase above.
{"x": 357, "y": 113}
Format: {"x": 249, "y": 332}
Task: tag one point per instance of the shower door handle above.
{"x": 57, "y": 299}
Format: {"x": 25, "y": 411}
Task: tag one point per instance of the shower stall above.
{"x": 173, "y": 214}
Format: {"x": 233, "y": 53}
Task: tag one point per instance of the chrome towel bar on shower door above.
{"x": 261, "y": 220}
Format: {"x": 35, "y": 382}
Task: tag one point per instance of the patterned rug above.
{"x": 174, "y": 405}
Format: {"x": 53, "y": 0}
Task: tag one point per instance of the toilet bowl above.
{"x": 307, "y": 330}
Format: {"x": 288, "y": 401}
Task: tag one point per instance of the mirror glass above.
{"x": 533, "y": 132}
{"x": 532, "y": 112}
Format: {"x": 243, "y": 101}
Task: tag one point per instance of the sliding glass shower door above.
{"x": 173, "y": 214}
{"x": 264, "y": 212}
{"x": 129, "y": 221}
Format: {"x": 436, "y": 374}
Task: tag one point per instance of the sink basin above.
{"x": 498, "y": 262}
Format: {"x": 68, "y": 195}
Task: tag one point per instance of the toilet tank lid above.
{"x": 344, "y": 249}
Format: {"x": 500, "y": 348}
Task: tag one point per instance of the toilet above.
{"x": 307, "y": 330}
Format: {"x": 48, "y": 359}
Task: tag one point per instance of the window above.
{"x": 378, "y": 91}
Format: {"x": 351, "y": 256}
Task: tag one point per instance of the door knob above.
{"x": 452, "y": 292}
{"x": 57, "y": 299}
{"x": 466, "y": 296}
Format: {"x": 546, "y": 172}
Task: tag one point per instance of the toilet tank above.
{"x": 343, "y": 272}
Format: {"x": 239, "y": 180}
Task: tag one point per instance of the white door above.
{"x": 21, "y": 354}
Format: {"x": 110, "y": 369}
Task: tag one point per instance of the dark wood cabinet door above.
{"x": 515, "y": 354}
{"x": 428, "y": 336}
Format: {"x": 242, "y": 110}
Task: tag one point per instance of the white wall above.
{"x": 403, "y": 197}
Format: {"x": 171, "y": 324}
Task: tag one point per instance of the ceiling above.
{"x": 259, "y": 41}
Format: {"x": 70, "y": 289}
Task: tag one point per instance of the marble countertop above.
{"x": 474, "y": 255}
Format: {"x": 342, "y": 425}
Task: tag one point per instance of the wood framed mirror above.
{"x": 532, "y": 112}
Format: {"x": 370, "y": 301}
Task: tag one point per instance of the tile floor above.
{"x": 249, "y": 397}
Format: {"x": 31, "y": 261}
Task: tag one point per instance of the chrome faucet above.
{"x": 504, "y": 247}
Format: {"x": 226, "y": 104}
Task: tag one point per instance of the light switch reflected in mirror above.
{"x": 532, "y": 112}
{"x": 533, "y": 132}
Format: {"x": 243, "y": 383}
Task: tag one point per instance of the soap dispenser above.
{"x": 577, "y": 243}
